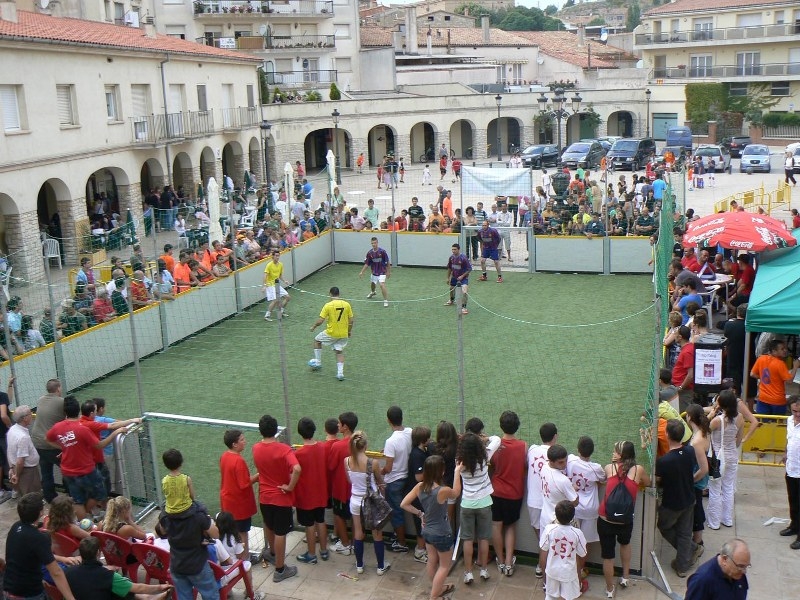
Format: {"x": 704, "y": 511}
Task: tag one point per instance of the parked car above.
{"x": 680, "y": 136}
{"x": 602, "y": 141}
{"x": 583, "y": 154}
{"x": 736, "y": 144}
{"x": 722, "y": 159}
{"x": 755, "y": 157}
{"x": 679, "y": 152}
{"x": 540, "y": 155}
{"x": 796, "y": 154}
{"x": 631, "y": 153}
{"x": 792, "y": 147}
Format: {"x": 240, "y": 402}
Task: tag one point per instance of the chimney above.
{"x": 149, "y": 27}
{"x": 8, "y": 11}
{"x": 485, "y": 28}
{"x": 412, "y": 46}
{"x": 581, "y": 34}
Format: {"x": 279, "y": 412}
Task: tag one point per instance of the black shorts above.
{"x": 610, "y": 534}
{"x": 506, "y": 510}
{"x": 277, "y": 518}
{"x": 740, "y": 299}
{"x": 341, "y": 509}
{"x": 310, "y": 517}
{"x": 244, "y": 525}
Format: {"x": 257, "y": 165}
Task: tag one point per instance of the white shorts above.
{"x": 589, "y": 529}
{"x": 271, "y": 292}
{"x": 338, "y": 344}
{"x": 355, "y": 505}
{"x": 568, "y": 590}
{"x": 377, "y": 278}
{"x": 535, "y": 514}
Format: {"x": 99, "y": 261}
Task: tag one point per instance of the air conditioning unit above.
{"x": 148, "y": 20}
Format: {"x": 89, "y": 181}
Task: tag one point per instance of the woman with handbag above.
{"x": 436, "y": 529}
{"x": 727, "y": 428}
{"x": 701, "y": 442}
{"x": 365, "y": 480}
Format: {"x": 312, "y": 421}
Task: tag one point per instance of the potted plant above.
{"x": 198, "y": 7}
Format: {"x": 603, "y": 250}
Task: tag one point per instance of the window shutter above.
{"x": 10, "y": 108}
{"x": 139, "y": 100}
{"x": 64, "y": 105}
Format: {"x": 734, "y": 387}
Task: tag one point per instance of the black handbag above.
{"x": 375, "y": 510}
{"x": 714, "y": 463}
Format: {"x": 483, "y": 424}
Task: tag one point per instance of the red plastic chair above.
{"x": 66, "y": 545}
{"x": 116, "y": 551}
{"x": 52, "y": 591}
{"x": 236, "y": 572}
{"x": 154, "y": 560}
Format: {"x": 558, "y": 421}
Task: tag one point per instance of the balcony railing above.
{"x": 154, "y": 129}
{"x": 240, "y": 117}
{"x": 728, "y": 71}
{"x": 289, "y": 8}
{"x": 276, "y": 42}
{"x": 724, "y": 33}
{"x": 300, "y": 78}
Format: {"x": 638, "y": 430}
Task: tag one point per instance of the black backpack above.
{"x": 620, "y": 504}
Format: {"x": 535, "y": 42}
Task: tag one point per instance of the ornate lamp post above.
{"x": 647, "y": 94}
{"x": 335, "y": 114}
{"x": 557, "y": 110}
{"x": 499, "y": 100}
{"x": 265, "y": 129}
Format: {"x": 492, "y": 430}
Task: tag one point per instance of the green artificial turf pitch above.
{"x": 571, "y": 349}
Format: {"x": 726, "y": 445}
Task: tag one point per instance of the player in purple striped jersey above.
{"x": 378, "y": 260}
{"x": 490, "y": 243}
{"x": 458, "y": 269}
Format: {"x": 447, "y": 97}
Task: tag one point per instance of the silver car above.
{"x": 722, "y": 160}
{"x": 755, "y": 157}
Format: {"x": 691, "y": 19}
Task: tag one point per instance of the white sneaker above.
{"x": 386, "y": 567}
{"x": 485, "y": 574}
{"x": 385, "y": 304}
{"x": 510, "y": 567}
{"x": 340, "y": 548}
{"x": 468, "y": 578}
{"x": 538, "y": 572}
{"x": 421, "y": 555}
{"x": 359, "y": 570}
{"x": 370, "y": 295}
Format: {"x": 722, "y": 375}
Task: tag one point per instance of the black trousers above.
{"x": 793, "y": 493}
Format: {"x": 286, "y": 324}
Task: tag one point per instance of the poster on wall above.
{"x": 708, "y": 366}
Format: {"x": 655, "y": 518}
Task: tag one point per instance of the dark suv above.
{"x": 631, "y": 153}
{"x": 736, "y": 144}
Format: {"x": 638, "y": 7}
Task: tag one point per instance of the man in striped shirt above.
{"x": 378, "y": 260}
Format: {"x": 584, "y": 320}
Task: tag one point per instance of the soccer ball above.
{"x": 86, "y": 524}
{"x": 314, "y": 364}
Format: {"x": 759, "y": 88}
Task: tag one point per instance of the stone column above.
{"x": 402, "y": 147}
{"x": 256, "y": 163}
{"x": 189, "y": 181}
{"x": 238, "y": 171}
{"x": 24, "y": 244}
{"x": 442, "y": 137}
{"x": 210, "y": 170}
{"x": 74, "y": 225}
{"x": 130, "y": 198}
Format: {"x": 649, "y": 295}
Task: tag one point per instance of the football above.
{"x": 314, "y": 364}
{"x": 86, "y": 524}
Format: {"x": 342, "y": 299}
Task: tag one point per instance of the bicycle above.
{"x": 429, "y": 156}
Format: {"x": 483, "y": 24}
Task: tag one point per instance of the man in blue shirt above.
{"x": 690, "y": 294}
{"x": 724, "y": 577}
{"x": 659, "y": 187}
{"x": 458, "y": 269}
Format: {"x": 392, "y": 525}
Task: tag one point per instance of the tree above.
{"x": 550, "y": 10}
{"x": 634, "y": 16}
{"x": 334, "y": 93}
{"x": 569, "y": 3}
{"x": 759, "y": 99}
{"x": 596, "y": 21}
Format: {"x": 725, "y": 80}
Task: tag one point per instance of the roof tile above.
{"x": 40, "y": 27}
{"x": 564, "y": 46}
{"x": 373, "y": 35}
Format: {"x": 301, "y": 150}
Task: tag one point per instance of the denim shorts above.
{"x": 86, "y": 487}
{"x": 395, "y": 492}
{"x": 443, "y": 543}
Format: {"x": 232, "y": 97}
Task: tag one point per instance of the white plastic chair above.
{"x": 52, "y": 249}
{"x": 5, "y": 280}
{"x": 248, "y": 219}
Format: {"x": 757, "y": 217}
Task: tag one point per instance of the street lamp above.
{"x": 557, "y": 109}
{"x": 499, "y": 100}
{"x": 647, "y": 94}
{"x": 265, "y": 128}
{"x": 335, "y": 114}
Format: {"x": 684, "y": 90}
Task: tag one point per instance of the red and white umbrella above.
{"x": 738, "y": 230}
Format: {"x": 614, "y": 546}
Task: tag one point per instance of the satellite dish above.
{"x": 640, "y": 64}
{"x": 539, "y": 60}
{"x": 262, "y": 30}
{"x": 44, "y": 4}
{"x": 603, "y": 35}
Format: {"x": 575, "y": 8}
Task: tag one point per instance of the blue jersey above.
{"x": 490, "y": 238}
{"x": 377, "y": 260}
{"x": 458, "y": 265}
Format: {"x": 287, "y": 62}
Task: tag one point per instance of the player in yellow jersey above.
{"x": 276, "y": 295}
{"x": 338, "y": 316}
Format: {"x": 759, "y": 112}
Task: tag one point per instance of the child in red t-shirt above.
{"x": 311, "y": 493}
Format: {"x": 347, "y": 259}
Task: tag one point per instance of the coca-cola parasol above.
{"x": 738, "y": 231}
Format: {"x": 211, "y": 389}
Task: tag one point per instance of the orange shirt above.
{"x": 169, "y": 261}
{"x": 772, "y": 376}
{"x": 206, "y": 259}
{"x": 182, "y": 273}
{"x": 447, "y": 207}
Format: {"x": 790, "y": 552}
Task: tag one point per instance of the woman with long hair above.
{"x": 476, "y": 503}
{"x": 623, "y": 470}
{"x": 436, "y": 530}
{"x": 701, "y": 440}
{"x": 119, "y": 520}
{"x": 356, "y": 467}
{"x": 727, "y": 429}
{"x": 231, "y": 539}
{"x": 61, "y": 519}
{"x": 446, "y": 447}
